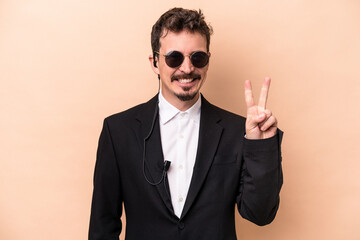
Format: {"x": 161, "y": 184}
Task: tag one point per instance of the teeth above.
{"x": 185, "y": 80}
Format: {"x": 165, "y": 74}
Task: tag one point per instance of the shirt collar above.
{"x": 168, "y": 111}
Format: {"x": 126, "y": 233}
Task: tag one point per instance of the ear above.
{"x": 154, "y": 66}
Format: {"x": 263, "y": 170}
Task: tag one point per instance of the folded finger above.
{"x": 270, "y": 122}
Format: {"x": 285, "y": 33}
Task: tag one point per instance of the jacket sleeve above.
{"x": 106, "y": 209}
{"x": 261, "y": 179}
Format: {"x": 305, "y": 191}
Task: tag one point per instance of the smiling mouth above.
{"x": 186, "y": 78}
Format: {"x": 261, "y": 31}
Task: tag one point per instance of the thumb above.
{"x": 261, "y": 117}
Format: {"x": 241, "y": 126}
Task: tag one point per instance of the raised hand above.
{"x": 260, "y": 123}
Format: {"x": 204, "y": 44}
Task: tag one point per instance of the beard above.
{"x": 187, "y": 96}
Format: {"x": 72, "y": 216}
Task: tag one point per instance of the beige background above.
{"x": 65, "y": 65}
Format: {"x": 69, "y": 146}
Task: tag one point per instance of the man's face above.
{"x": 180, "y": 86}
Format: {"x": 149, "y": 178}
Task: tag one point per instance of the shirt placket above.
{"x": 181, "y": 157}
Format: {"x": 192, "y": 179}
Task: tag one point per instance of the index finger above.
{"x": 249, "y": 98}
{"x": 264, "y": 93}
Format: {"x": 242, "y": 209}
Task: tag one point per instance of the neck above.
{"x": 181, "y": 105}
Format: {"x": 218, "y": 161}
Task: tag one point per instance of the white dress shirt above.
{"x": 179, "y": 133}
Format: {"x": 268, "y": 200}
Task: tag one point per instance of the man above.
{"x": 218, "y": 159}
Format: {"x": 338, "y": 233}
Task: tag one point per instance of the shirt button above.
{"x": 181, "y": 225}
{"x": 182, "y": 114}
{"x": 181, "y": 166}
{"x": 181, "y": 199}
{"x": 181, "y": 136}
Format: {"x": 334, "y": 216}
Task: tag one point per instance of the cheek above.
{"x": 166, "y": 72}
{"x": 204, "y": 75}
{"x": 204, "y": 71}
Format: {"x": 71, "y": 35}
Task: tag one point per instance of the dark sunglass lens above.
{"x": 174, "y": 59}
{"x": 199, "y": 59}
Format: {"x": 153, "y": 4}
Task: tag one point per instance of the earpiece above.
{"x": 154, "y": 61}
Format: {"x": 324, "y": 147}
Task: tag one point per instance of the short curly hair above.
{"x": 177, "y": 20}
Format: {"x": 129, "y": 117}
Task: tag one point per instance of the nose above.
{"x": 186, "y": 66}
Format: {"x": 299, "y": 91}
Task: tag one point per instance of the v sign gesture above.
{"x": 260, "y": 123}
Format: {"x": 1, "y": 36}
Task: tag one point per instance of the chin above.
{"x": 186, "y": 96}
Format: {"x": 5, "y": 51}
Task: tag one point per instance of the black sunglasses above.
{"x": 174, "y": 59}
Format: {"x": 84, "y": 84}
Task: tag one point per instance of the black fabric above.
{"x": 229, "y": 170}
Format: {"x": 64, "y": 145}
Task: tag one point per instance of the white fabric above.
{"x": 179, "y": 133}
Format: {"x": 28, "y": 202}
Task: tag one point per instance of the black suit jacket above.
{"x": 229, "y": 170}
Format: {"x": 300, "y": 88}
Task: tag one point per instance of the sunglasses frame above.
{"x": 189, "y": 55}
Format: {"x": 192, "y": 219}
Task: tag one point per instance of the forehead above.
{"x": 184, "y": 41}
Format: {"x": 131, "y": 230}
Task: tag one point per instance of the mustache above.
{"x": 185, "y": 76}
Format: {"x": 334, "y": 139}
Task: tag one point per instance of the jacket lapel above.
{"x": 154, "y": 158}
{"x": 209, "y": 137}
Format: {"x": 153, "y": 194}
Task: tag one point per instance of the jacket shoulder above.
{"x": 132, "y": 113}
{"x": 229, "y": 115}
{"x": 225, "y": 115}
{"x": 128, "y": 114}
